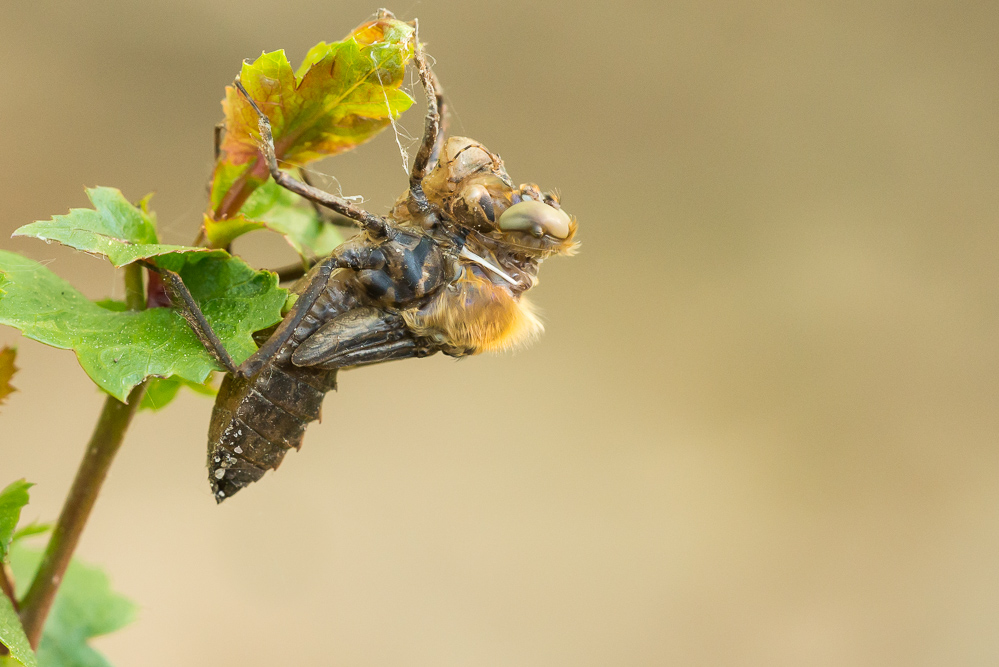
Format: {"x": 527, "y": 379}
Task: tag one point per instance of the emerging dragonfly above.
{"x": 445, "y": 271}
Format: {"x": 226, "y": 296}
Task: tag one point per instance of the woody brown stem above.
{"x": 104, "y": 444}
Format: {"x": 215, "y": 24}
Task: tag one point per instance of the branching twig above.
{"x": 104, "y": 443}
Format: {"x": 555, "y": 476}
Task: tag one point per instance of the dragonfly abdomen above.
{"x": 257, "y": 420}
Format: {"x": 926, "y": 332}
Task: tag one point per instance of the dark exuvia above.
{"x": 445, "y": 271}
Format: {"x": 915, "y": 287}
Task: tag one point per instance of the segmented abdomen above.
{"x": 257, "y": 420}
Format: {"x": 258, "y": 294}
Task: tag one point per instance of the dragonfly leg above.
{"x": 325, "y": 216}
{"x": 433, "y": 132}
{"x": 347, "y": 256}
{"x": 191, "y": 311}
{"x": 375, "y": 224}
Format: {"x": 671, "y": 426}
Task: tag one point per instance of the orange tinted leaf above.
{"x": 343, "y": 95}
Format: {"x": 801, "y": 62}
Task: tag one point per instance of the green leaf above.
{"x": 12, "y": 635}
{"x": 12, "y": 499}
{"x": 7, "y": 370}
{"x": 279, "y": 210}
{"x": 343, "y": 95}
{"x": 114, "y": 228}
{"x": 112, "y": 304}
{"x": 32, "y": 529}
{"x": 161, "y": 391}
{"x": 220, "y": 233}
{"x": 118, "y": 350}
{"x": 85, "y": 607}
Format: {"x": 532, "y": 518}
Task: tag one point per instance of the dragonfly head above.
{"x": 470, "y": 184}
{"x": 536, "y": 223}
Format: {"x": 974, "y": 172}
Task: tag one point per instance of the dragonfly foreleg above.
{"x": 376, "y": 225}
{"x": 433, "y": 134}
{"x": 327, "y": 218}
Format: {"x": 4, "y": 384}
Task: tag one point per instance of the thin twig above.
{"x": 104, "y": 444}
{"x": 291, "y": 272}
{"x": 7, "y": 584}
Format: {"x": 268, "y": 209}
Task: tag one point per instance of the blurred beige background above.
{"x": 760, "y": 430}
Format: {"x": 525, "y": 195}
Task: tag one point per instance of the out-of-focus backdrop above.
{"x": 761, "y": 428}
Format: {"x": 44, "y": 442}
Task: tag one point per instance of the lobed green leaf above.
{"x": 114, "y": 228}
{"x": 118, "y": 350}
{"x": 85, "y": 607}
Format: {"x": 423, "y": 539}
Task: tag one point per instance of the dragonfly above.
{"x": 445, "y": 271}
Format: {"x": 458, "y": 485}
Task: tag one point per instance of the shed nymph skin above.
{"x": 447, "y": 270}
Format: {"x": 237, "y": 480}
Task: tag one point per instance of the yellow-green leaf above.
{"x": 279, "y": 210}
{"x": 343, "y": 94}
{"x": 221, "y": 233}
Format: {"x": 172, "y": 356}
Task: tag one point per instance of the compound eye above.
{"x": 535, "y": 218}
{"x": 486, "y": 204}
{"x": 479, "y": 203}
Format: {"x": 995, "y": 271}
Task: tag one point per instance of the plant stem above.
{"x": 104, "y": 444}
{"x": 135, "y": 293}
{"x": 7, "y": 584}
